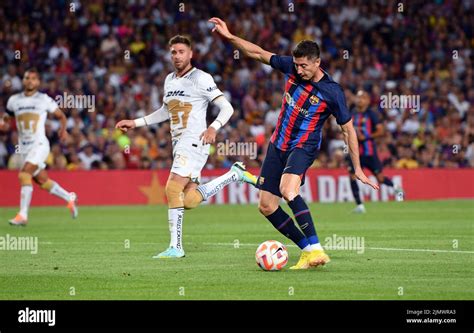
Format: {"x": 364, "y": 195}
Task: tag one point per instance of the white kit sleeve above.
{"x": 226, "y": 111}
{"x": 156, "y": 117}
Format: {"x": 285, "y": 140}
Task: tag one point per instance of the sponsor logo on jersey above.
{"x": 291, "y": 102}
{"x": 28, "y": 107}
{"x": 211, "y": 88}
{"x": 175, "y": 93}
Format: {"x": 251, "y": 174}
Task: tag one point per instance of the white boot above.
{"x": 360, "y": 209}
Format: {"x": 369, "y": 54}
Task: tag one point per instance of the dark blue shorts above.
{"x": 278, "y": 162}
{"x": 369, "y": 162}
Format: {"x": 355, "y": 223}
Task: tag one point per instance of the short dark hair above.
{"x": 306, "y": 48}
{"x": 33, "y": 70}
{"x": 180, "y": 39}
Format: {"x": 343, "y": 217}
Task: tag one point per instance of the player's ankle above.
{"x": 316, "y": 246}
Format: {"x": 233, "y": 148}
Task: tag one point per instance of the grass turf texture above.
{"x": 90, "y": 254}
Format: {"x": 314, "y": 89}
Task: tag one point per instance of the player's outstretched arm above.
{"x": 350, "y": 137}
{"x": 63, "y": 120}
{"x": 155, "y": 117}
{"x": 125, "y": 124}
{"x": 250, "y": 50}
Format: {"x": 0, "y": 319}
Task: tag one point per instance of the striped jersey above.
{"x": 365, "y": 123}
{"x": 305, "y": 107}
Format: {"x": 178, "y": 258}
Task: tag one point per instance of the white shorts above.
{"x": 189, "y": 157}
{"x": 35, "y": 153}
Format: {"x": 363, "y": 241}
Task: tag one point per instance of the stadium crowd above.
{"x": 117, "y": 51}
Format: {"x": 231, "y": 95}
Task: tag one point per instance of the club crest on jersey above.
{"x": 261, "y": 180}
{"x": 314, "y": 100}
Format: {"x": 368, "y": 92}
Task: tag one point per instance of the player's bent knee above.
{"x": 46, "y": 185}
{"x": 288, "y": 193}
{"x": 174, "y": 194}
{"x": 266, "y": 208}
{"x": 192, "y": 199}
{"x": 25, "y": 178}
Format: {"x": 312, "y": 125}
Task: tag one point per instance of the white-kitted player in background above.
{"x": 187, "y": 93}
{"x": 30, "y": 109}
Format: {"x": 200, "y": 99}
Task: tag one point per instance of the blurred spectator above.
{"x": 87, "y": 156}
{"x": 11, "y": 80}
{"x": 117, "y": 52}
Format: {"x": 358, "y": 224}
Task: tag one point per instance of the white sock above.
{"x": 25, "y": 199}
{"x": 175, "y": 219}
{"x": 211, "y": 188}
{"x": 58, "y": 191}
{"x": 307, "y": 248}
{"x": 316, "y": 246}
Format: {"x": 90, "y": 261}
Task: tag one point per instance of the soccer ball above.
{"x": 271, "y": 255}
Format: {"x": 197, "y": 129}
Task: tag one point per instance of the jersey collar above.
{"x": 36, "y": 93}
{"x": 185, "y": 73}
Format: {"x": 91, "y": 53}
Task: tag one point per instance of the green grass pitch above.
{"x": 89, "y": 259}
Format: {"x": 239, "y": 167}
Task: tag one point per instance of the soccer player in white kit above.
{"x": 30, "y": 109}
{"x": 187, "y": 93}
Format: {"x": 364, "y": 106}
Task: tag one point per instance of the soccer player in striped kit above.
{"x": 368, "y": 127}
{"x": 310, "y": 97}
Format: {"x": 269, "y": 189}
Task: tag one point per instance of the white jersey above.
{"x": 30, "y": 114}
{"x": 187, "y": 98}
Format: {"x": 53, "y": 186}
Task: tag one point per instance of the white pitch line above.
{"x": 367, "y": 248}
{"x": 79, "y": 242}
{"x": 417, "y": 250}
{"x": 290, "y": 245}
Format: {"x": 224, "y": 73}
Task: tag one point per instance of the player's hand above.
{"x": 363, "y": 178}
{"x": 220, "y": 27}
{"x": 125, "y": 125}
{"x": 360, "y": 136}
{"x": 208, "y": 136}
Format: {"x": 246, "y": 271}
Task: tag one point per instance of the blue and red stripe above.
{"x": 282, "y": 115}
{"x": 370, "y": 144}
{"x": 359, "y": 128}
{"x": 289, "y": 118}
{"x": 300, "y": 98}
{"x": 311, "y": 124}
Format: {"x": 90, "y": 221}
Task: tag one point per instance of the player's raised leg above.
{"x": 47, "y": 184}
{"x": 289, "y": 188}
{"x": 183, "y": 194}
{"x": 25, "y": 176}
{"x": 237, "y": 173}
{"x": 194, "y": 194}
